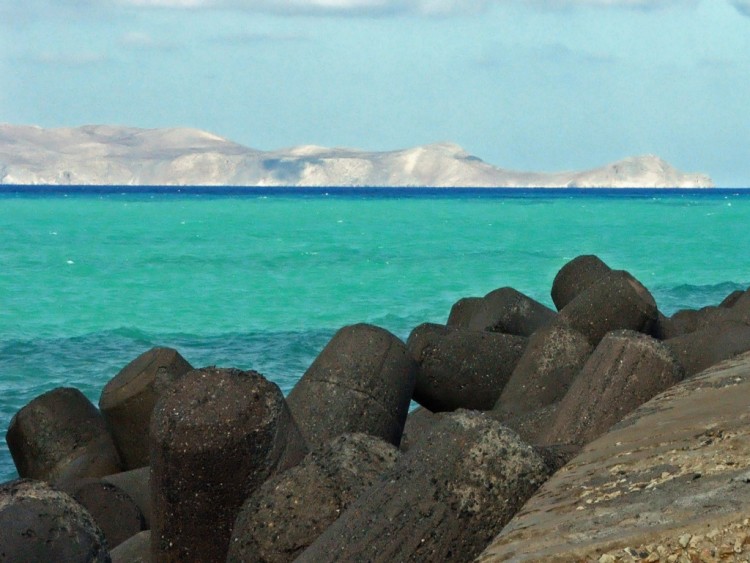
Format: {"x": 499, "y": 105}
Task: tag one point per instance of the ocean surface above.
{"x": 261, "y": 278}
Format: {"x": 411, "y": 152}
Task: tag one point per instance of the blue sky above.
{"x": 525, "y": 84}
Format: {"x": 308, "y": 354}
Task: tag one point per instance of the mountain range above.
{"x": 115, "y": 155}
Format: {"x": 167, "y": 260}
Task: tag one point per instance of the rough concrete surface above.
{"x": 669, "y": 483}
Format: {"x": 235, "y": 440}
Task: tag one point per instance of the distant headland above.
{"x": 114, "y": 155}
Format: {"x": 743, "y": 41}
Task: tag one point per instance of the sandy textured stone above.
{"x": 680, "y": 464}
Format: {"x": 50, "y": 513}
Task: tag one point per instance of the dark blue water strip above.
{"x": 43, "y": 191}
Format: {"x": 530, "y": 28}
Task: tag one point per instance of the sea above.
{"x": 261, "y": 278}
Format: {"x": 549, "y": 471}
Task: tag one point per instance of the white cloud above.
{"x": 426, "y": 7}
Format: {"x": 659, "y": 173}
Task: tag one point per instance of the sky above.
{"x": 542, "y": 85}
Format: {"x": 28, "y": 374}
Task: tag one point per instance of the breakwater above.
{"x": 217, "y": 465}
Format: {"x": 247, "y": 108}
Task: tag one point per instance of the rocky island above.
{"x": 113, "y": 155}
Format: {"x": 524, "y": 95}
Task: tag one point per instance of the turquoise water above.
{"x": 88, "y": 282}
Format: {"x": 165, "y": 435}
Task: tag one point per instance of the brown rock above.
{"x": 575, "y": 277}
{"x": 443, "y": 500}
{"x": 135, "y": 483}
{"x": 509, "y": 311}
{"x": 625, "y": 371}
{"x": 615, "y": 301}
{"x": 39, "y": 524}
{"x": 362, "y": 381}
{"x": 60, "y": 435}
{"x": 703, "y": 348}
{"x": 462, "y": 312}
{"x": 549, "y": 364}
{"x": 460, "y": 368}
{"x": 113, "y": 510}
{"x": 216, "y": 435}
{"x": 128, "y": 399}
{"x": 289, "y": 511}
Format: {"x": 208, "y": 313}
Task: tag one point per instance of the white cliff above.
{"x": 110, "y": 155}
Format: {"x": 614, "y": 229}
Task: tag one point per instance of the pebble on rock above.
{"x": 362, "y": 381}
{"x": 59, "y": 436}
{"x": 216, "y": 435}
{"x": 127, "y": 400}
{"x": 459, "y": 368}
{"x": 39, "y": 524}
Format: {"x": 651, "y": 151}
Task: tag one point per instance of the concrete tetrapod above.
{"x": 511, "y": 312}
{"x": 703, "y": 348}
{"x": 462, "y": 311}
{"x": 135, "y": 483}
{"x": 575, "y": 277}
{"x": 39, "y": 524}
{"x": 362, "y": 381}
{"x": 552, "y": 359}
{"x": 216, "y": 435}
{"x": 114, "y": 511}
{"x": 134, "y": 550}
{"x": 60, "y": 436}
{"x": 460, "y": 368}
{"x": 445, "y": 499}
{"x": 625, "y": 371}
{"x": 127, "y": 400}
{"x": 615, "y": 301}
{"x": 289, "y": 511}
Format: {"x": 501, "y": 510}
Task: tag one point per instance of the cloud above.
{"x": 742, "y": 6}
{"x": 144, "y": 41}
{"x": 384, "y": 7}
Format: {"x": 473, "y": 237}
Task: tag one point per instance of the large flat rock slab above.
{"x": 671, "y": 482}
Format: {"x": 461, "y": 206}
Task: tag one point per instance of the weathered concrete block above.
{"x": 289, "y": 511}
{"x": 135, "y": 483}
{"x": 134, "y": 550}
{"x": 443, "y": 500}
{"x": 531, "y": 426}
{"x": 732, "y": 298}
{"x": 61, "y": 435}
{"x": 625, "y": 371}
{"x": 703, "y": 348}
{"x": 459, "y": 368}
{"x": 462, "y": 312}
{"x": 39, "y": 524}
{"x": 418, "y": 423}
{"x": 675, "y": 470}
{"x": 362, "y": 381}
{"x": 615, "y": 301}
{"x": 216, "y": 435}
{"x": 113, "y": 510}
{"x": 551, "y": 361}
{"x": 509, "y": 311}
{"x": 127, "y": 400}
{"x": 575, "y": 277}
